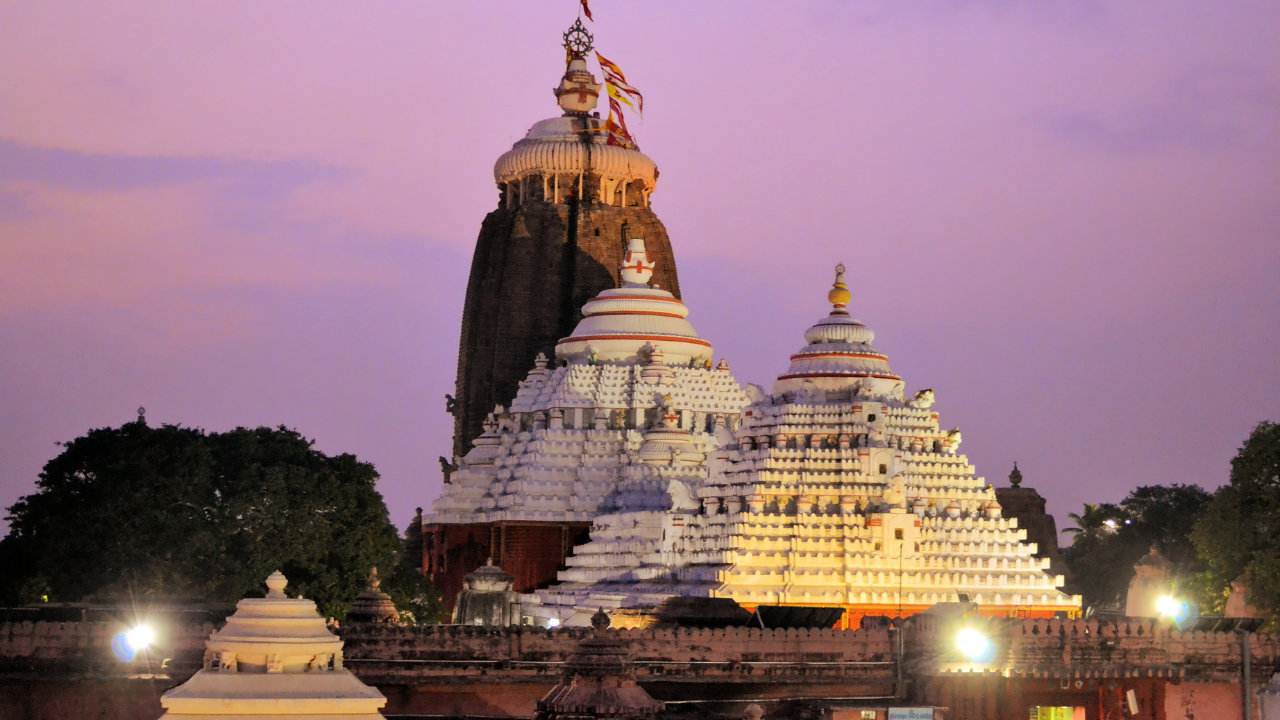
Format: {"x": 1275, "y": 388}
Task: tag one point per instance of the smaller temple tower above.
{"x": 274, "y": 658}
{"x": 631, "y": 402}
{"x": 599, "y": 682}
{"x": 1028, "y": 507}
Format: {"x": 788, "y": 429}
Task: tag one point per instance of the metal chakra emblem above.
{"x": 577, "y": 40}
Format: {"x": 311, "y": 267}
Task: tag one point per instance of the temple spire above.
{"x": 578, "y": 91}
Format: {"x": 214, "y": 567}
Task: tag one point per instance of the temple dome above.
{"x": 576, "y": 143}
{"x": 629, "y": 323}
{"x": 573, "y": 145}
{"x": 839, "y": 355}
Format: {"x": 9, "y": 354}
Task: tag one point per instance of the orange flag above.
{"x": 617, "y": 84}
{"x": 617, "y": 128}
{"x": 587, "y": 9}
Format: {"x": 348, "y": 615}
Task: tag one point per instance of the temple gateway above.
{"x": 626, "y": 466}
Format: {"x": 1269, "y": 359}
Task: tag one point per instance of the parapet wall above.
{"x": 1133, "y": 648}
{"x": 84, "y": 648}
{"x": 399, "y": 654}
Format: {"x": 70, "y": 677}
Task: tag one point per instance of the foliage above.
{"x": 174, "y": 513}
{"x": 415, "y": 597}
{"x": 1110, "y": 538}
{"x": 1240, "y": 531}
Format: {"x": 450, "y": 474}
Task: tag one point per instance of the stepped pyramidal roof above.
{"x": 632, "y": 405}
{"x": 833, "y": 489}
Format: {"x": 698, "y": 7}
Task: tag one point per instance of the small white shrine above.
{"x": 632, "y": 404}
{"x": 275, "y": 658}
{"x": 834, "y": 490}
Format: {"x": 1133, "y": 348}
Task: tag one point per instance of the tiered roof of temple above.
{"x": 835, "y": 490}
{"x": 633, "y": 404}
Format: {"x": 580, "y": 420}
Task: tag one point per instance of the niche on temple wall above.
{"x": 881, "y": 465}
{"x": 898, "y": 535}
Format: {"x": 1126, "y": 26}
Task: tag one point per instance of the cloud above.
{"x": 97, "y": 172}
{"x": 872, "y": 12}
{"x": 171, "y": 239}
{"x": 1219, "y": 109}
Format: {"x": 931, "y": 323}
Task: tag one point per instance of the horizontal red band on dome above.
{"x": 634, "y": 297}
{"x": 673, "y": 338}
{"x": 840, "y": 354}
{"x": 838, "y": 375}
{"x": 636, "y": 312}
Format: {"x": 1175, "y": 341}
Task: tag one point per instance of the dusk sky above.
{"x": 1061, "y": 215}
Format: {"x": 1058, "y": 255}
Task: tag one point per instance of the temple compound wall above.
{"x": 67, "y": 670}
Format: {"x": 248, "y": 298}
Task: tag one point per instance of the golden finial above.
{"x": 839, "y": 296}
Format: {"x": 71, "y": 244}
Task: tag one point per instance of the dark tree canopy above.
{"x": 1240, "y": 531}
{"x": 1109, "y": 539}
{"x": 172, "y": 512}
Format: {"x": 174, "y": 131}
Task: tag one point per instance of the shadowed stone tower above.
{"x": 571, "y": 194}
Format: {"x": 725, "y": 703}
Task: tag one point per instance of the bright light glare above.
{"x": 1168, "y": 606}
{"x": 140, "y": 637}
{"x": 972, "y": 643}
{"x": 553, "y": 622}
{"x": 1111, "y": 523}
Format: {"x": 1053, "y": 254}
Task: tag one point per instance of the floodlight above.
{"x": 973, "y": 644}
{"x": 140, "y": 637}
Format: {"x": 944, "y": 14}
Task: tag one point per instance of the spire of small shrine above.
{"x": 636, "y": 268}
{"x": 839, "y": 296}
{"x": 1015, "y": 477}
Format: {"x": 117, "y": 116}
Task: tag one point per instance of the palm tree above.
{"x": 1094, "y": 518}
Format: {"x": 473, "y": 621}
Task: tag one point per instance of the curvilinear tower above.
{"x": 571, "y": 195}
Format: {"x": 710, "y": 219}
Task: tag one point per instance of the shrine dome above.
{"x": 631, "y": 323}
{"x": 839, "y": 355}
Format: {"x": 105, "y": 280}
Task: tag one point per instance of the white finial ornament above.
{"x": 276, "y": 584}
{"x": 636, "y": 268}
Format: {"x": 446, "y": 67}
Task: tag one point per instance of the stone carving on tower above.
{"x": 833, "y": 491}
{"x": 568, "y": 202}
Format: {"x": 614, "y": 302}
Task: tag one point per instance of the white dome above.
{"x": 839, "y": 356}
{"x": 619, "y": 325}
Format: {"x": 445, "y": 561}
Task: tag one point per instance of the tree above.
{"x": 171, "y": 512}
{"x": 1109, "y": 539}
{"x": 1240, "y": 530}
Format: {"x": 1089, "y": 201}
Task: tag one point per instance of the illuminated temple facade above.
{"x": 834, "y": 490}
{"x": 624, "y": 465}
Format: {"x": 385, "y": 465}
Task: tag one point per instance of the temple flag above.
{"x": 616, "y": 81}
{"x": 587, "y": 10}
{"x": 617, "y": 128}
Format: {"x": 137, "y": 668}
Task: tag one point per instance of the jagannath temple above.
{"x": 626, "y": 466}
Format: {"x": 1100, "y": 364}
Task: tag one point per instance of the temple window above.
{"x": 897, "y": 534}
{"x": 884, "y": 469}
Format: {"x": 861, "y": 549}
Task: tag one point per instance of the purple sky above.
{"x": 1062, "y": 216}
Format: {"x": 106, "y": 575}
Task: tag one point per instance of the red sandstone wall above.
{"x": 532, "y": 553}
{"x": 1203, "y": 701}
